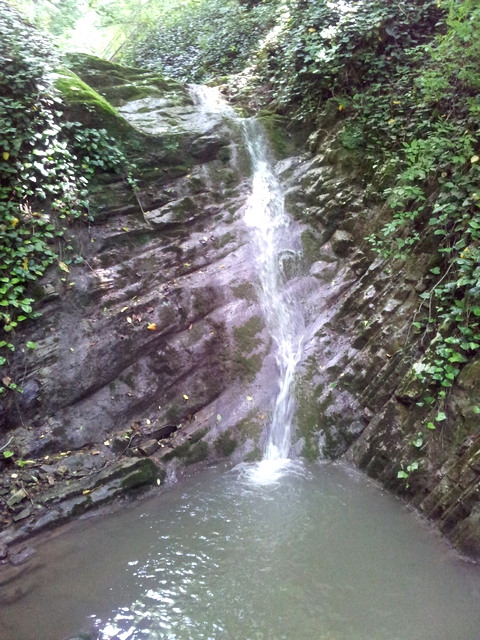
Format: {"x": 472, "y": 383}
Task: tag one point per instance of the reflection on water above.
{"x": 316, "y": 553}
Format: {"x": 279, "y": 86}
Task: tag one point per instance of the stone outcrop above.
{"x": 152, "y": 344}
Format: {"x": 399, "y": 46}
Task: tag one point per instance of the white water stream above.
{"x": 269, "y": 223}
{"x": 266, "y": 216}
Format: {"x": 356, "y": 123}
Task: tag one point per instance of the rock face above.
{"x": 358, "y": 393}
{"x": 152, "y": 351}
{"x": 153, "y": 343}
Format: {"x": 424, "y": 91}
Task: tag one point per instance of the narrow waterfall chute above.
{"x": 265, "y": 215}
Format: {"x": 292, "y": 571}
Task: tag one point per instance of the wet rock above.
{"x": 30, "y": 395}
{"x": 69, "y": 499}
{"x": 206, "y": 148}
{"x": 17, "y": 497}
{"x": 25, "y": 513}
{"x": 164, "y": 432}
{"x": 466, "y": 535}
{"x": 176, "y": 212}
{"x": 21, "y": 557}
{"x": 149, "y": 447}
{"x": 123, "y": 474}
{"x": 342, "y": 243}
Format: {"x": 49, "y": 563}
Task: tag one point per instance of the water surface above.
{"x": 320, "y": 553}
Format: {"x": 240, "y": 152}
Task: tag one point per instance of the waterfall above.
{"x": 265, "y": 215}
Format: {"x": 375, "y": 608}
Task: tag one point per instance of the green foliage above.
{"x": 56, "y": 16}
{"x": 338, "y": 50}
{"x": 201, "y": 39}
{"x": 46, "y": 164}
{"x": 436, "y": 191}
{"x": 404, "y": 474}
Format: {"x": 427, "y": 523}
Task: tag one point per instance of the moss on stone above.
{"x": 145, "y": 473}
{"x": 245, "y": 291}
{"x": 307, "y": 419}
{"x": 103, "y": 73}
{"x": 253, "y": 456}
{"x": 223, "y": 240}
{"x": 225, "y": 444}
{"x": 311, "y": 246}
{"x": 249, "y": 428}
{"x": 245, "y": 335}
{"x": 198, "y": 435}
{"x": 88, "y": 106}
{"x": 188, "y": 451}
{"x": 196, "y": 453}
{"x": 276, "y": 128}
{"x": 247, "y": 367}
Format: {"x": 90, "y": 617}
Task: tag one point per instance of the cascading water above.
{"x": 266, "y": 216}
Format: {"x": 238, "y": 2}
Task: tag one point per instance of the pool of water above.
{"x": 313, "y": 553}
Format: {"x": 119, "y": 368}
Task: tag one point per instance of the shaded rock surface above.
{"x": 358, "y": 393}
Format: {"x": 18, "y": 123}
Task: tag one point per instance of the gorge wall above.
{"x": 152, "y": 354}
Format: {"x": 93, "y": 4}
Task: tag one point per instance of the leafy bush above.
{"x": 200, "y": 40}
{"x": 45, "y": 166}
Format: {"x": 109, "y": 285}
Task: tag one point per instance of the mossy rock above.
{"x": 245, "y": 291}
{"x": 197, "y": 453}
{"x": 253, "y": 456}
{"x": 93, "y": 110}
{"x": 249, "y": 428}
{"x": 225, "y": 444}
{"x": 275, "y": 127}
{"x": 103, "y": 74}
{"x": 245, "y": 335}
{"x": 311, "y": 246}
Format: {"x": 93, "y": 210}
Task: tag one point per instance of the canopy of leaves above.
{"x": 201, "y": 39}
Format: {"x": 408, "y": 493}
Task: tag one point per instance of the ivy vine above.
{"x": 46, "y": 164}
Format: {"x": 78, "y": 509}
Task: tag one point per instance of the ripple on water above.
{"x": 316, "y": 553}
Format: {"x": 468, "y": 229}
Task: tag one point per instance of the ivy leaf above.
{"x": 440, "y": 416}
